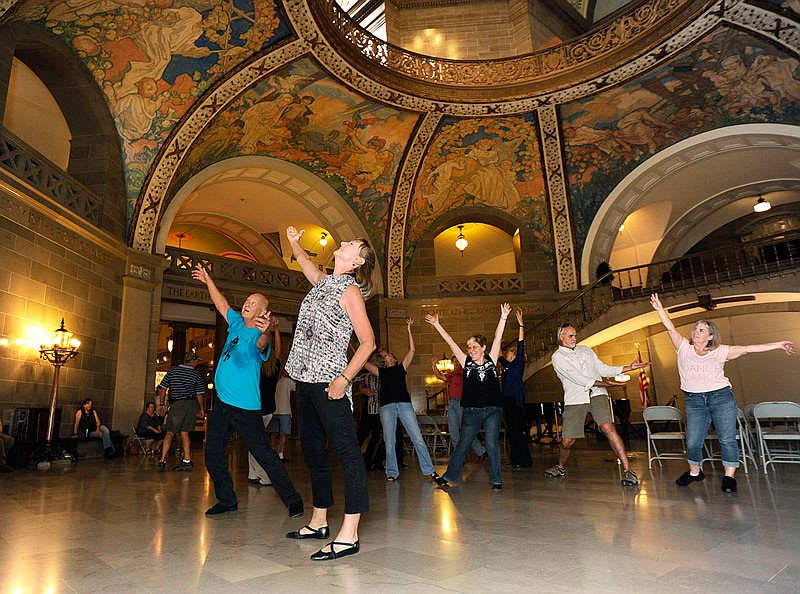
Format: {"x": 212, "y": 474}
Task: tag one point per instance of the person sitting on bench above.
{"x": 87, "y": 424}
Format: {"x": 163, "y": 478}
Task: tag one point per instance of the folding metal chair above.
{"x": 139, "y": 440}
{"x": 664, "y": 414}
{"x": 744, "y": 437}
{"x": 433, "y": 436}
{"x": 778, "y": 423}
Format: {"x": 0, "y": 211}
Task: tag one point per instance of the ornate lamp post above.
{"x": 63, "y": 348}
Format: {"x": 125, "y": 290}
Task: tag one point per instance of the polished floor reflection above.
{"x": 120, "y": 526}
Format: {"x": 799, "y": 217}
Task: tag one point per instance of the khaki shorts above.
{"x": 574, "y": 417}
{"x": 182, "y": 416}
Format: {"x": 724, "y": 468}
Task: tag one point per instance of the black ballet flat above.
{"x": 320, "y": 555}
{"x": 319, "y": 533}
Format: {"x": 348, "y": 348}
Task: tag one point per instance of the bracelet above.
{"x": 522, "y": 326}
{"x": 349, "y": 381}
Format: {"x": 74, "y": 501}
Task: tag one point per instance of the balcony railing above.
{"x": 480, "y": 284}
{"x": 26, "y": 164}
{"x": 751, "y": 261}
{"x": 182, "y": 261}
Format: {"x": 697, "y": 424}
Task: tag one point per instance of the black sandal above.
{"x": 319, "y": 533}
{"x": 320, "y": 555}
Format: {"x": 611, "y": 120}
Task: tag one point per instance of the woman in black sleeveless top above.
{"x": 481, "y": 399}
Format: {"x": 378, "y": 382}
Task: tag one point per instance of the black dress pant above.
{"x": 321, "y": 421}
{"x": 223, "y": 420}
{"x": 517, "y": 431}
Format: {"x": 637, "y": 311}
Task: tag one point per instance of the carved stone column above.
{"x": 141, "y": 299}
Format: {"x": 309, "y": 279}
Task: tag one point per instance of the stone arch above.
{"x": 334, "y": 213}
{"x": 95, "y": 156}
{"x": 701, "y": 176}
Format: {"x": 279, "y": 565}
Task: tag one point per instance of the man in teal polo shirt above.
{"x": 239, "y": 401}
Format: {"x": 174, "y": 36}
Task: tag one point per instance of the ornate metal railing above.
{"x": 26, "y": 164}
{"x": 631, "y": 26}
{"x": 480, "y": 284}
{"x": 751, "y": 261}
{"x": 182, "y": 261}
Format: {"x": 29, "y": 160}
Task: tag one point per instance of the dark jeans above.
{"x": 322, "y": 420}
{"x": 517, "y": 430}
{"x": 223, "y": 420}
{"x": 489, "y": 418}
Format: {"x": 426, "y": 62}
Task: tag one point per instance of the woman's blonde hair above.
{"x": 365, "y": 274}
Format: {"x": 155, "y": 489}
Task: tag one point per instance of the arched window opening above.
{"x": 486, "y": 250}
{"x": 33, "y": 115}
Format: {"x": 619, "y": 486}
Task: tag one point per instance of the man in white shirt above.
{"x": 581, "y": 372}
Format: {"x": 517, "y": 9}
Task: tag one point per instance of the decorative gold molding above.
{"x": 563, "y": 240}
{"x": 395, "y": 248}
{"x": 637, "y": 30}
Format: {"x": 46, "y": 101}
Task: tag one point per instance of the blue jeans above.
{"x": 105, "y": 435}
{"x": 455, "y": 415}
{"x": 489, "y": 418}
{"x": 405, "y": 412}
{"x": 702, "y": 408}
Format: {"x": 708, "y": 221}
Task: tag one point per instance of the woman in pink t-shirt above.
{"x": 701, "y": 365}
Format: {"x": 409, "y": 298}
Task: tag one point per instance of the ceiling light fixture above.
{"x": 323, "y": 241}
{"x": 461, "y": 241}
{"x": 762, "y": 205}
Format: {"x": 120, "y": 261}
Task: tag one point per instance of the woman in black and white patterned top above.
{"x": 329, "y": 314}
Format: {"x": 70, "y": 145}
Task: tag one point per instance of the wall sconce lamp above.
{"x": 445, "y": 364}
{"x": 170, "y": 343}
{"x": 461, "y": 241}
{"x": 762, "y": 205}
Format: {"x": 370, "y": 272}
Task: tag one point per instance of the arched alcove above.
{"x": 708, "y": 180}
{"x": 95, "y": 158}
{"x": 32, "y": 113}
{"x": 533, "y": 269}
{"x": 490, "y": 250}
{"x": 254, "y": 198}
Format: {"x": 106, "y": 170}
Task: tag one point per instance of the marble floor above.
{"x": 120, "y": 526}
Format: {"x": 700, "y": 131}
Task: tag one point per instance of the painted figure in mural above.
{"x": 487, "y": 183}
{"x": 136, "y": 112}
{"x": 296, "y": 115}
{"x": 370, "y": 160}
{"x": 638, "y": 128}
{"x": 445, "y": 184}
{"x": 329, "y": 314}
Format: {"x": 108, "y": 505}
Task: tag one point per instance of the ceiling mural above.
{"x": 303, "y": 116}
{"x": 154, "y": 59}
{"x": 492, "y": 162}
{"x": 730, "y": 77}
